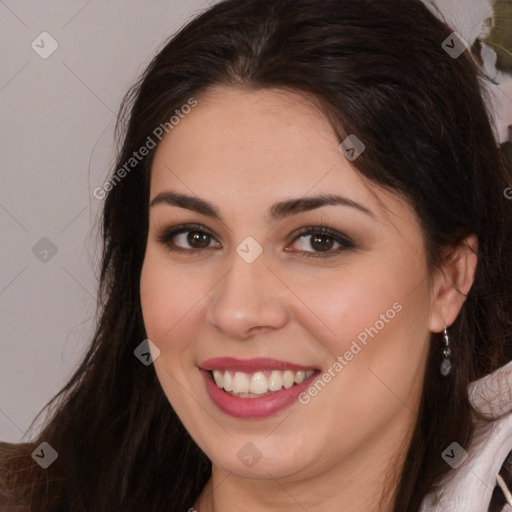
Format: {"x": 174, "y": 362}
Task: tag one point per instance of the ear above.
{"x": 452, "y": 282}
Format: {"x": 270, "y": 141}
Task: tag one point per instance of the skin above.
{"x": 242, "y": 151}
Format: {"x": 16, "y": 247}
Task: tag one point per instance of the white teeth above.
{"x": 228, "y": 382}
{"x": 240, "y": 383}
{"x": 219, "y": 379}
{"x": 275, "y": 381}
{"x": 299, "y": 377}
{"x": 288, "y": 379}
{"x": 257, "y": 384}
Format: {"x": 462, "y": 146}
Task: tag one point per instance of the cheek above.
{"x": 170, "y": 302}
{"x": 372, "y": 319}
{"x": 169, "y": 298}
{"x": 359, "y": 303}
{"x": 155, "y": 296}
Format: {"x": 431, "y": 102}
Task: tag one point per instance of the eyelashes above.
{"x": 167, "y": 236}
{"x": 323, "y": 241}
{"x": 319, "y": 235}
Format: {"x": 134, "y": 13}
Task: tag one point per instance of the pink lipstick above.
{"x": 278, "y": 382}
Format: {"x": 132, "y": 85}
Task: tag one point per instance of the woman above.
{"x": 306, "y": 233}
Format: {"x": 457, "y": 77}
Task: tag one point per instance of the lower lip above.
{"x": 253, "y": 407}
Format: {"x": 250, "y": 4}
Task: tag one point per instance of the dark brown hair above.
{"x": 379, "y": 71}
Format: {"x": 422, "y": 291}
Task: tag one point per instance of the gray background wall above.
{"x": 57, "y": 116}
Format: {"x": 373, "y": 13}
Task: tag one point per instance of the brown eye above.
{"x": 198, "y": 239}
{"x": 188, "y": 238}
{"x": 320, "y": 242}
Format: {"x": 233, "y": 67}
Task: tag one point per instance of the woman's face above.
{"x": 258, "y": 292}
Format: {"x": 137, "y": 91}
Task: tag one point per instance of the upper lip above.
{"x": 251, "y": 365}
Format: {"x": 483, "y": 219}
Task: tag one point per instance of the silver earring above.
{"x": 446, "y": 365}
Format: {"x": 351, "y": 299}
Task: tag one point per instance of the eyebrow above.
{"x": 277, "y": 211}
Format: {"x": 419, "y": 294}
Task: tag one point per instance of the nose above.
{"x": 249, "y": 299}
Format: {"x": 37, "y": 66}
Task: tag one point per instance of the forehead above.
{"x": 256, "y": 147}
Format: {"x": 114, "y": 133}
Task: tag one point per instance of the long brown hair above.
{"x": 379, "y": 70}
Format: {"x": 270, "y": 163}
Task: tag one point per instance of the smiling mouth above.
{"x": 258, "y": 384}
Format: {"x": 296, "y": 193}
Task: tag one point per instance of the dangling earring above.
{"x": 446, "y": 365}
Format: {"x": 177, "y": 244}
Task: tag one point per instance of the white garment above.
{"x": 469, "y": 487}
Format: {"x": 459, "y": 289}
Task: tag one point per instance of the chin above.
{"x": 261, "y": 458}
